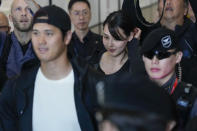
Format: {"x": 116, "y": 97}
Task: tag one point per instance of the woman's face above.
{"x": 114, "y": 47}
{"x": 161, "y": 70}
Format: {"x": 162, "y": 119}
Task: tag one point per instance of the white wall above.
{"x": 106, "y": 7}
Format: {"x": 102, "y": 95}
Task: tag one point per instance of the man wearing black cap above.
{"x": 128, "y": 105}
{"x": 48, "y": 97}
{"x": 161, "y": 54}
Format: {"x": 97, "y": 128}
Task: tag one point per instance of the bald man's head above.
{"x": 21, "y": 16}
{"x": 4, "y": 23}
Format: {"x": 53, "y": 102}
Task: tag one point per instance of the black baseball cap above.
{"x": 56, "y": 17}
{"x": 130, "y": 93}
{"x": 160, "y": 39}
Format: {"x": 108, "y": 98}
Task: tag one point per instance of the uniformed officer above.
{"x": 161, "y": 54}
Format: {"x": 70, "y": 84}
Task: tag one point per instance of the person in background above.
{"x": 4, "y": 23}
{"x": 161, "y": 54}
{"x": 16, "y": 50}
{"x": 50, "y": 96}
{"x": 120, "y": 39}
{"x": 190, "y": 14}
{"x": 130, "y": 103}
{"x": 84, "y": 43}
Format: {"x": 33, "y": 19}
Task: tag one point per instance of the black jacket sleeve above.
{"x": 8, "y": 117}
{"x": 135, "y": 58}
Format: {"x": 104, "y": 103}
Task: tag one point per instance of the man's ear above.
{"x": 67, "y": 37}
{"x": 179, "y": 55}
{"x": 171, "y": 125}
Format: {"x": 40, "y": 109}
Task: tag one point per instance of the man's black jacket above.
{"x": 16, "y": 99}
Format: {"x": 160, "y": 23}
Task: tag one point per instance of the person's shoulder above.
{"x": 24, "y": 78}
{"x": 79, "y": 65}
{"x": 83, "y": 68}
{"x": 94, "y": 35}
{"x": 188, "y": 89}
{"x": 28, "y": 72}
{"x": 2, "y": 37}
{"x": 186, "y": 85}
{"x": 2, "y": 33}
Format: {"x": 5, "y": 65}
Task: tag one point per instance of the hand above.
{"x": 28, "y": 1}
{"x": 33, "y": 5}
{"x": 137, "y": 33}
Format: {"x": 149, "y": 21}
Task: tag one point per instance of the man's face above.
{"x": 21, "y": 16}
{"x": 174, "y": 9}
{"x": 48, "y": 42}
{"x": 80, "y": 15}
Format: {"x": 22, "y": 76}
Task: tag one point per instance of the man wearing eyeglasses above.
{"x": 4, "y": 23}
{"x": 84, "y": 43}
{"x": 161, "y": 54}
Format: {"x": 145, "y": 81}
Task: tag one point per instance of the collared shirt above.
{"x": 169, "y": 84}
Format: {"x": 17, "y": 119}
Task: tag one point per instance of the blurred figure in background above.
{"x": 128, "y": 105}
{"x": 4, "y": 23}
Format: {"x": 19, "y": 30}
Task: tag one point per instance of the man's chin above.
{"x": 24, "y": 29}
{"x": 83, "y": 27}
{"x": 168, "y": 16}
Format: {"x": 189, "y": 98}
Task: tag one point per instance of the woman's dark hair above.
{"x": 117, "y": 20}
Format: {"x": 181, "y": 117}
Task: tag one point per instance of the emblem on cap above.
{"x": 166, "y": 41}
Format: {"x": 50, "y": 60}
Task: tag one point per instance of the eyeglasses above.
{"x": 84, "y": 13}
{"x": 159, "y": 55}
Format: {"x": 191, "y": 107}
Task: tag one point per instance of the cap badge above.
{"x": 166, "y": 41}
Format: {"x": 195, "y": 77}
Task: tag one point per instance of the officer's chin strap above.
{"x": 179, "y": 72}
{"x": 139, "y": 15}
